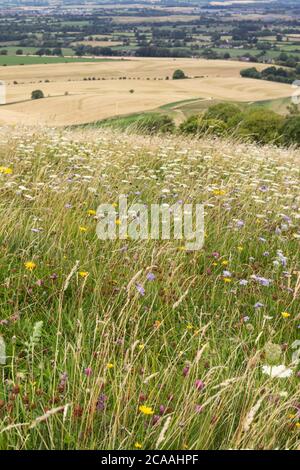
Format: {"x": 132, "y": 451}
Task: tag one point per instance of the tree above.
{"x": 178, "y": 75}
{"x": 37, "y": 95}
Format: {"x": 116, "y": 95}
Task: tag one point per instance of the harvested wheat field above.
{"x": 84, "y": 92}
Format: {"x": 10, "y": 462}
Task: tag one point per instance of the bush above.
{"x": 37, "y": 95}
{"x": 199, "y": 125}
{"x": 261, "y": 125}
{"x": 291, "y": 131}
{"x": 154, "y": 124}
{"x": 178, "y": 75}
{"x": 223, "y": 112}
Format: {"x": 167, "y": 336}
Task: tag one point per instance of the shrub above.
{"x": 223, "y": 112}
{"x": 291, "y": 131}
{"x": 154, "y": 124}
{"x": 190, "y": 125}
{"x": 37, "y": 95}
{"x": 199, "y": 125}
{"x": 178, "y": 75}
{"x": 261, "y": 125}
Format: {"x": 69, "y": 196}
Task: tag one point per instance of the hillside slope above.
{"x": 143, "y": 343}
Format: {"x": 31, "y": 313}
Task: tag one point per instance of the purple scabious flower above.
{"x": 227, "y": 274}
{"x": 258, "y": 305}
{"x": 243, "y": 282}
{"x": 150, "y": 277}
{"x": 140, "y": 289}
{"x": 262, "y": 280}
{"x": 101, "y": 402}
{"x": 240, "y": 224}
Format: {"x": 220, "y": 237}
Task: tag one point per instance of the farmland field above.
{"x": 86, "y": 92}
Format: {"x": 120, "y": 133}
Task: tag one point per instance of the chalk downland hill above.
{"x": 141, "y": 344}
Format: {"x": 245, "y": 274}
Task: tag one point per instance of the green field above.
{"x": 31, "y": 60}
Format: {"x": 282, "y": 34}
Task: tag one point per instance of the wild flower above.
{"x": 101, "y": 402}
{"x": 5, "y": 170}
{"x": 140, "y": 289}
{"x": 150, "y": 277}
{"x": 199, "y": 384}
{"x": 83, "y": 274}
{"x": 280, "y": 372}
{"x": 30, "y": 265}
{"x": 258, "y": 305}
{"x": 146, "y": 410}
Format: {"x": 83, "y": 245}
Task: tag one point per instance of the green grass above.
{"x": 35, "y": 60}
{"x": 193, "y": 347}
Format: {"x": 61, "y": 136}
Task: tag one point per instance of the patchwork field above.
{"x": 84, "y": 92}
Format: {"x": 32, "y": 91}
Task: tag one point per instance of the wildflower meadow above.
{"x": 144, "y": 344}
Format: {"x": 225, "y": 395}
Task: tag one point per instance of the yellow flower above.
{"x": 297, "y": 425}
{"x": 83, "y": 273}
{"x": 118, "y": 222}
{"x": 114, "y": 204}
{"x": 138, "y": 445}
{"x": 225, "y": 262}
{"x": 219, "y": 192}
{"x": 189, "y": 326}
{"x": 5, "y": 170}
{"x": 82, "y": 229}
{"x": 30, "y": 265}
{"x": 227, "y": 280}
{"x": 91, "y": 212}
{"x": 240, "y": 248}
{"x": 141, "y": 346}
{"x": 110, "y": 365}
{"x": 146, "y": 410}
{"x": 285, "y": 314}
